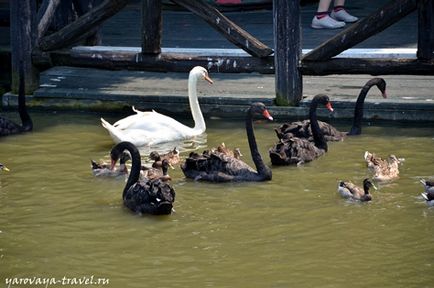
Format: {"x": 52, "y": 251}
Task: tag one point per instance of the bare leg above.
{"x": 339, "y": 2}
{"x": 324, "y": 5}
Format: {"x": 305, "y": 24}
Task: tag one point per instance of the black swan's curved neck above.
{"x": 318, "y": 136}
{"x": 136, "y": 162}
{"x": 262, "y": 169}
{"x": 27, "y": 124}
{"x": 356, "y": 129}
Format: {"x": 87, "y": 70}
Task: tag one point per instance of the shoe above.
{"x": 326, "y": 23}
{"x": 343, "y": 15}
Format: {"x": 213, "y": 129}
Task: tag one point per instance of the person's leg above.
{"x": 339, "y": 13}
{"x": 323, "y": 5}
{"x": 322, "y": 20}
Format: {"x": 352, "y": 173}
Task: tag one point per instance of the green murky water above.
{"x": 57, "y": 220}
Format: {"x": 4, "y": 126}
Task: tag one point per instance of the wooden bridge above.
{"x": 30, "y": 40}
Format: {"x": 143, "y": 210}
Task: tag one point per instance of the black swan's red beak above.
{"x": 267, "y": 115}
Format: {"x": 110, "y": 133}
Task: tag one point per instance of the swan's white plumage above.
{"x": 150, "y": 127}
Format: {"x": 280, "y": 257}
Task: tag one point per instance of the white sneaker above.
{"x": 343, "y": 15}
{"x": 326, "y": 23}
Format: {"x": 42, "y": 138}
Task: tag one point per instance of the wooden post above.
{"x": 287, "y": 31}
{"x": 23, "y": 39}
{"x": 151, "y": 26}
{"x": 425, "y": 44}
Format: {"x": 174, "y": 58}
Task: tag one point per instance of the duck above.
{"x": 4, "y": 168}
{"x": 236, "y": 152}
{"x": 8, "y": 127}
{"x": 383, "y": 169}
{"x": 291, "y": 150}
{"x": 172, "y": 156}
{"x": 302, "y": 129}
{"x": 348, "y": 190}
{"x": 428, "y": 194}
{"x": 150, "y": 127}
{"x": 148, "y": 196}
{"x": 105, "y": 170}
{"x": 156, "y": 171}
{"x": 214, "y": 166}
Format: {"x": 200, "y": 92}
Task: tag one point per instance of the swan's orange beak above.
{"x": 329, "y": 106}
{"x": 206, "y": 77}
{"x": 267, "y": 115}
{"x": 384, "y": 94}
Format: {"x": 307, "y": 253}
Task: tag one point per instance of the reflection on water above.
{"x": 58, "y": 220}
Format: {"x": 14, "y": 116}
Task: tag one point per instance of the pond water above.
{"x": 57, "y": 220}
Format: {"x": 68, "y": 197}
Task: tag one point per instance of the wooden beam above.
{"x": 23, "y": 39}
{"x": 287, "y": 31}
{"x": 368, "y": 66}
{"x": 165, "y": 62}
{"x": 151, "y": 26}
{"x": 425, "y": 44}
{"x": 226, "y": 27}
{"x": 363, "y": 29}
{"x": 83, "y": 27}
{"x": 46, "y": 15}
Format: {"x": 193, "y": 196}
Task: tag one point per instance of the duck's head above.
{"x": 154, "y": 156}
{"x": 201, "y": 72}
{"x": 4, "y": 168}
{"x": 367, "y": 184}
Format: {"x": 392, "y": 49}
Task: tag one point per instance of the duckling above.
{"x": 348, "y": 190}
{"x": 428, "y": 195}
{"x": 4, "y": 168}
{"x": 171, "y": 156}
{"x": 383, "y": 170}
{"x": 235, "y": 153}
{"x": 151, "y": 173}
{"x": 106, "y": 170}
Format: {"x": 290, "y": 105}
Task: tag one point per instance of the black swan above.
{"x": 291, "y": 150}
{"x": 3, "y": 168}
{"x": 105, "y": 170}
{"x": 7, "y": 127}
{"x": 149, "y": 196}
{"x": 348, "y": 190}
{"x": 302, "y": 129}
{"x": 214, "y": 166}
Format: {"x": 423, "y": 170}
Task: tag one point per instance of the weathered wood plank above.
{"x": 151, "y": 26}
{"x": 23, "y": 39}
{"x": 287, "y": 31}
{"x": 226, "y": 27}
{"x": 368, "y": 66}
{"x": 150, "y": 62}
{"x": 83, "y": 27}
{"x": 360, "y": 31}
{"x": 46, "y": 15}
{"x": 425, "y": 44}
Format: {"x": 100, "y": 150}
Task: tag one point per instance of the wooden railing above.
{"x": 39, "y": 51}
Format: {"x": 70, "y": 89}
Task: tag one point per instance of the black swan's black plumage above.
{"x": 7, "y": 127}
{"x": 301, "y": 129}
{"x": 292, "y": 150}
{"x": 214, "y": 166}
{"x": 151, "y": 196}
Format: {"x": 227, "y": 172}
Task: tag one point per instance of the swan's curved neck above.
{"x": 262, "y": 169}
{"x": 135, "y": 166}
{"x": 318, "y": 136}
{"x": 199, "y": 122}
{"x": 26, "y": 121}
{"x": 356, "y": 129}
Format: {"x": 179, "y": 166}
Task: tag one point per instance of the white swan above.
{"x": 150, "y": 127}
